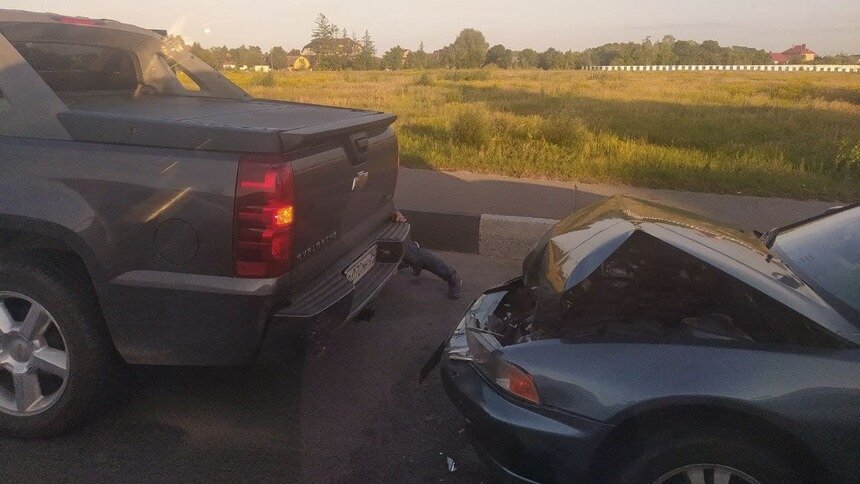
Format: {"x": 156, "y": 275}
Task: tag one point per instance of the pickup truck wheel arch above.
{"x": 30, "y": 236}
{"x": 15, "y": 242}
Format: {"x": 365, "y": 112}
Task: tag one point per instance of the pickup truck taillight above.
{"x": 264, "y": 216}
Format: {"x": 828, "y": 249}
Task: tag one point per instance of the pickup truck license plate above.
{"x": 361, "y": 266}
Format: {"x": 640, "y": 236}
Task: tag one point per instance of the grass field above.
{"x": 774, "y": 134}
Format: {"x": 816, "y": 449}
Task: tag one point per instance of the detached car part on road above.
{"x": 151, "y": 209}
{"x": 645, "y": 344}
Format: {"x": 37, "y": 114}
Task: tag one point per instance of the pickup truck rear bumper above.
{"x": 184, "y": 319}
{"x": 332, "y": 299}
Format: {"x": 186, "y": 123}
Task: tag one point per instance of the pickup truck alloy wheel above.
{"x": 706, "y": 474}
{"x": 34, "y": 363}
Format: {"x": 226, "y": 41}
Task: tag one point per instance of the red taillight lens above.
{"x": 264, "y": 216}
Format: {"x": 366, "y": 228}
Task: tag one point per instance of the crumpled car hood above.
{"x": 579, "y": 244}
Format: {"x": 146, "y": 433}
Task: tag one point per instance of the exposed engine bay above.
{"x": 650, "y": 291}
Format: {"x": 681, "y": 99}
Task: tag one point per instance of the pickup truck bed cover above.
{"x": 210, "y": 123}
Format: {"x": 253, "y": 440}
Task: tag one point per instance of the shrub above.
{"x": 425, "y": 80}
{"x": 471, "y": 127}
{"x": 469, "y": 75}
{"x": 848, "y": 159}
{"x": 565, "y": 130}
{"x": 264, "y": 79}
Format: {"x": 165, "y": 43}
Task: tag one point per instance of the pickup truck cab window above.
{"x": 79, "y": 68}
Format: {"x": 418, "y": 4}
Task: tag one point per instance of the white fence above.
{"x": 770, "y": 68}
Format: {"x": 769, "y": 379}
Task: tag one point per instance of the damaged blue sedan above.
{"x": 645, "y": 344}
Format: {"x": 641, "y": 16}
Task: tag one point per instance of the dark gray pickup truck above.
{"x": 153, "y": 212}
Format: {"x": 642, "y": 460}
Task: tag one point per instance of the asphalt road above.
{"x": 353, "y": 414}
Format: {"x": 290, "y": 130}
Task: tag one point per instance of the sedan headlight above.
{"x": 507, "y": 376}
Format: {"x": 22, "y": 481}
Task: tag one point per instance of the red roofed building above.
{"x": 798, "y": 53}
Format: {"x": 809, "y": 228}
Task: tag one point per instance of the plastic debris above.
{"x": 452, "y": 466}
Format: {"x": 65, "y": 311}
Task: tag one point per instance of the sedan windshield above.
{"x": 826, "y": 253}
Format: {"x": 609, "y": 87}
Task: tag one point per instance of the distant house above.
{"x": 228, "y": 67}
{"x": 779, "y": 58}
{"x": 802, "y": 52}
{"x": 262, "y": 68}
{"x": 298, "y": 62}
{"x": 798, "y": 53}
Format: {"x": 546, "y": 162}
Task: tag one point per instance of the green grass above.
{"x": 772, "y": 134}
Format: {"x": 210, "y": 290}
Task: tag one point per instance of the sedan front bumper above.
{"x": 520, "y": 441}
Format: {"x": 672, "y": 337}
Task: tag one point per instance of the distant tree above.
{"x": 434, "y": 59}
{"x": 278, "y": 58}
{"x": 670, "y": 51}
{"x": 256, "y": 56}
{"x": 366, "y": 60}
{"x": 394, "y": 58}
{"x": 220, "y": 56}
{"x": 444, "y": 56}
{"x": 550, "y": 59}
{"x": 323, "y": 28}
{"x": 686, "y": 51}
{"x": 419, "y": 59}
{"x": 751, "y": 56}
{"x": 206, "y": 55}
{"x": 367, "y": 44}
{"x": 527, "y": 58}
{"x": 332, "y": 45}
{"x": 838, "y": 59}
{"x": 664, "y": 54}
{"x": 627, "y": 54}
{"x": 710, "y": 53}
{"x": 573, "y": 60}
{"x": 322, "y": 40}
{"x": 247, "y": 56}
{"x": 469, "y": 50}
{"x": 645, "y": 53}
{"x": 500, "y": 56}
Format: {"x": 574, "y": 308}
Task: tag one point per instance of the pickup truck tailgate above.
{"x": 344, "y": 189}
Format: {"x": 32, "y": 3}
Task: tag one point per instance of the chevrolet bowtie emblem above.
{"x": 360, "y": 180}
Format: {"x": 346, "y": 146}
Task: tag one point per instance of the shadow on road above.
{"x": 196, "y": 424}
{"x": 354, "y": 414}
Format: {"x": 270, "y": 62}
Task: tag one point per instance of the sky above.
{"x": 826, "y": 26}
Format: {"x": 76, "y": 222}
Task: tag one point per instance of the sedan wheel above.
{"x": 687, "y": 451}
{"x": 34, "y": 363}
{"x": 705, "y": 474}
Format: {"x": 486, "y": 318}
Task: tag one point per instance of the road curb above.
{"x": 510, "y": 237}
{"x": 502, "y": 236}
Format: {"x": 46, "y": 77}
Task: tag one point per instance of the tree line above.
{"x": 333, "y": 48}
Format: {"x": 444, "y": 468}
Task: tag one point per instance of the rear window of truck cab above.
{"x": 81, "y": 68}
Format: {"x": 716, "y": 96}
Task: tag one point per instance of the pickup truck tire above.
{"x": 55, "y": 371}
